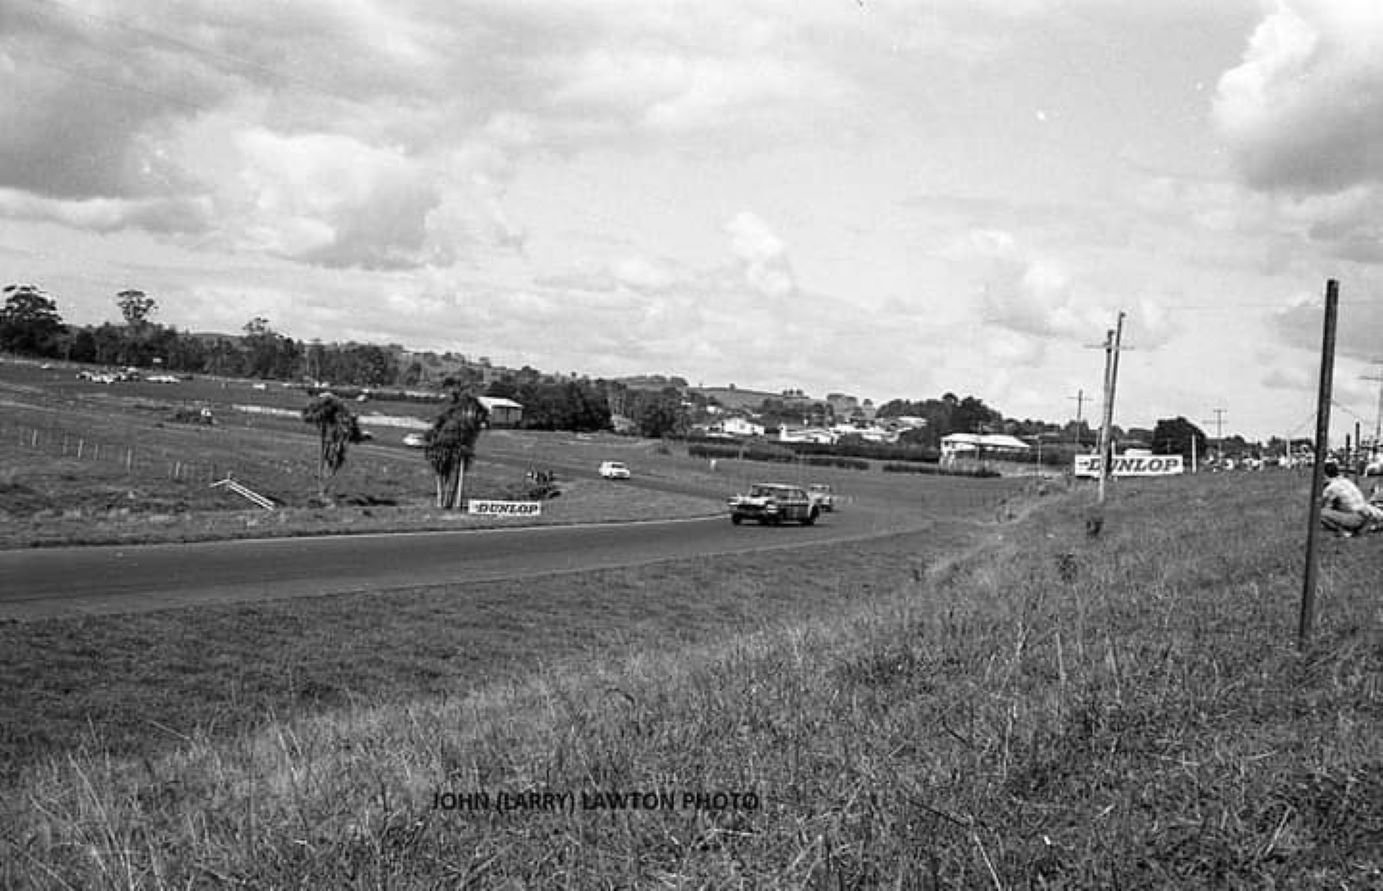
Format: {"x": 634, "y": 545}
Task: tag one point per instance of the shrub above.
{"x": 939, "y": 470}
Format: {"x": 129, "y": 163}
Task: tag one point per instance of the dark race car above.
{"x": 774, "y": 503}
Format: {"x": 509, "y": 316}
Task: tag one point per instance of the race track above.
{"x": 50, "y": 582}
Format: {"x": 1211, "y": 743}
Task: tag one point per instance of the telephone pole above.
{"x": 1112, "y": 342}
{"x": 1079, "y": 400}
{"x": 1219, "y": 423}
{"x": 1378, "y": 413}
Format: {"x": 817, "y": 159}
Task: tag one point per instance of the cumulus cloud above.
{"x": 1023, "y": 291}
{"x": 762, "y": 254}
{"x": 327, "y": 199}
{"x": 1304, "y": 110}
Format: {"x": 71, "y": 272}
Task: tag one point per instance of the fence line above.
{"x": 130, "y": 457}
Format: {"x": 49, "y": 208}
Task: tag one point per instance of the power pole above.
{"x": 1378, "y": 413}
{"x": 1219, "y": 423}
{"x": 1308, "y": 588}
{"x": 1113, "y": 341}
{"x": 1079, "y": 399}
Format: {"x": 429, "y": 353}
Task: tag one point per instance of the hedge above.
{"x": 938, "y": 470}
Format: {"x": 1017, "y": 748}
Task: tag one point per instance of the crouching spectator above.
{"x": 1344, "y": 510}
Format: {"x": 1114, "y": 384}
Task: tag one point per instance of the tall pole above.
{"x": 1105, "y": 419}
{"x": 1219, "y": 423}
{"x": 1308, "y": 588}
{"x": 1378, "y": 412}
{"x": 1111, "y": 384}
{"x": 1079, "y": 399}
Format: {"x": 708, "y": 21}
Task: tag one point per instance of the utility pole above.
{"x": 1308, "y": 588}
{"x": 1378, "y": 413}
{"x": 1113, "y": 340}
{"x": 1219, "y": 423}
{"x": 1079, "y": 400}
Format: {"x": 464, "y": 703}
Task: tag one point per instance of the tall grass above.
{"x": 1050, "y": 710}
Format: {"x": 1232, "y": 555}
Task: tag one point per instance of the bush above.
{"x": 938, "y": 470}
{"x": 749, "y": 452}
{"x": 828, "y": 461}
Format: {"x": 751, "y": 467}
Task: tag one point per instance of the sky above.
{"x": 885, "y": 198}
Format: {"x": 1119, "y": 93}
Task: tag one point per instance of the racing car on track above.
{"x": 774, "y": 503}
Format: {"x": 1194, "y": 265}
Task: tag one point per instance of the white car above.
{"x": 415, "y": 440}
{"x": 614, "y": 470}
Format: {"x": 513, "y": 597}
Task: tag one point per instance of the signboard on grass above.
{"x": 504, "y": 508}
{"x": 1131, "y": 465}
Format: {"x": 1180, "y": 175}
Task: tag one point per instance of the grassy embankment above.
{"x": 1049, "y": 710}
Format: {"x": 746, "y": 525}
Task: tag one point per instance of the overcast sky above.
{"x": 888, "y": 198}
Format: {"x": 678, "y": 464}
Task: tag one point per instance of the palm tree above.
{"x": 451, "y": 446}
{"x": 338, "y": 427}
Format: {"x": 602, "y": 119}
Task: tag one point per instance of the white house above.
{"x": 738, "y": 427}
{"x": 806, "y": 434}
{"x": 975, "y": 445}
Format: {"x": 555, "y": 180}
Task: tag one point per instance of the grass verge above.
{"x": 1049, "y": 710}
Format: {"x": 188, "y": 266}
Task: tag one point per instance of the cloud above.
{"x": 176, "y": 215}
{"x": 762, "y": 254}
{"x": 1303, "y": 112}
{"x": 327, "y": 199}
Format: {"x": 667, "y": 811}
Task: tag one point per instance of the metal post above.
{"x": 1308, "y": 588}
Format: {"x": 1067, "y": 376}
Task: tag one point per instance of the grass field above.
{"x": 84, "y": 463}
{"x": 1015, "y": 706}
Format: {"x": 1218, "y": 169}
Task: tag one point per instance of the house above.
{"x": 503, "y": 412}
{"x": 981, "y": 445}
{"x": 806, "y": 434}
{"x": 738, "y": 427}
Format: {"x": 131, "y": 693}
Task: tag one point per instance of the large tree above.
{"x": 1178, "y": 436}
{"x": 29, "y": 322}
{"x": 338, "y": 428}
{"x": 135, "y": 307}
{"x": 660, "y": 414}
{"x": 451, "y": 446}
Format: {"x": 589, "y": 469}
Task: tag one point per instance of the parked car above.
{"x": 415, "y": 440}
{"x": 774, "y": 503}
{"x": 822, "y": 494}
{"x": 614, "y": 470}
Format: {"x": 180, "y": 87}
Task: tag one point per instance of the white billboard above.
{"x": 1131, "y": 465}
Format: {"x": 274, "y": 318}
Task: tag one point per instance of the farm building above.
{"x": 976, "y": 445}
{"x": 503, "y": 412}
{"x": 738, "y": 427}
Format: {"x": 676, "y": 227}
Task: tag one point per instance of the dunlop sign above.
{"x": 504, "y": 508}
{"x": 1131, "y": 465}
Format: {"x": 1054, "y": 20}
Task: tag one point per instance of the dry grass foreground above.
{"x": 1050, "y": 710}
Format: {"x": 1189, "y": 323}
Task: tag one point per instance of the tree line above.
{"x": 31, "y": 325}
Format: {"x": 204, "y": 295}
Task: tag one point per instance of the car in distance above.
{"x": 822, "y": 494}
{"x": 614, "y": 470}
{"x": 415, "y": 440}
{"x": 774, "y": 503}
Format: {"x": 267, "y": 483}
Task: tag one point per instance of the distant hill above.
{"x": 737, "y": 397}
{"x": 652, "y": 382}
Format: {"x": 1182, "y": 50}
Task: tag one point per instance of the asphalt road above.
{"x": 47, "y": 582}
